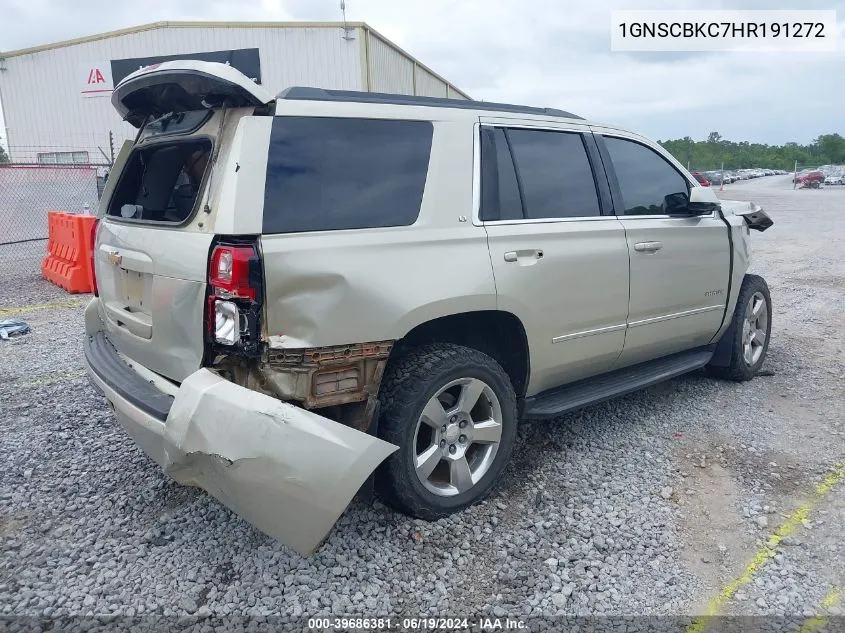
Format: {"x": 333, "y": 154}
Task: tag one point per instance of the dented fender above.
{"x": 751, "y": 212}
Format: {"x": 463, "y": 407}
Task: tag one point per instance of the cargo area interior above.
{"x": 160, "y": 183}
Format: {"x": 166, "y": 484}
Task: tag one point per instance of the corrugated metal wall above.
{"x": 429, "y": 85}
{"x": 390, "y": 70}
{"x": 45, "y": 109}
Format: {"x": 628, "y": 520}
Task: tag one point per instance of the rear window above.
{"x": 176, "y": 123}
{"x": 344, "y": 173}
{"x": 161, "y": 183}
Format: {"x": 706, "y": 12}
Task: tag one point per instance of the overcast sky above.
{"x": 538, "y": 52}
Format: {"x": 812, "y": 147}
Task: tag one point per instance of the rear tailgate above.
{"x": 151, "y": 282}
{"x": 152, "y": 266}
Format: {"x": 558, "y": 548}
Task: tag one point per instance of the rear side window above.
{"x": 535, "y": 174}
{"x": 343, "y": 173}
{"x": 555, "y": 173}
{"x": 500, "y": 198}
{"x": 161, "y": 183}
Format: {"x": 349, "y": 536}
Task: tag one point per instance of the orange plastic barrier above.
{"x": 68, "y": 263}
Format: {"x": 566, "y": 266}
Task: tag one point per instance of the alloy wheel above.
{"x": 755, "y": 329}
{"x": 457, "y": 436}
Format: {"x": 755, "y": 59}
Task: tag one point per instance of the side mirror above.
{"x": 699, "y": 201}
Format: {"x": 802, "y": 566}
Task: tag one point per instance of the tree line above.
{"x": 827, "y": 149}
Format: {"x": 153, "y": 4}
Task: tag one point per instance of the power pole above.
{"x": 347, "y": 32}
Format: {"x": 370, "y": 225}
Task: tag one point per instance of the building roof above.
{"x": 209, "y": 25}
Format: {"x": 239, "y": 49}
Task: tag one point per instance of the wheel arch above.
{"x": 497, "y": 333}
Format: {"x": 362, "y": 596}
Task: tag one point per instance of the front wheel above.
{"x": 750, "y": 331}
{"x": 452, "y": 412}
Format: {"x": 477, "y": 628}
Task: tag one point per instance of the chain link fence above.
{"x": 28, "y": 191}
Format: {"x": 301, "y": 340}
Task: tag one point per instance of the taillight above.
{"x": 234, "y": 281}
{"x": 93, "y": 251}
{"x": 229, "y": 271}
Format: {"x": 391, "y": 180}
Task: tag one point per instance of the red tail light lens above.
{"x": 94, "y": 228}
{"x": 234, "y": 298}
{"x": 229, "y": 272}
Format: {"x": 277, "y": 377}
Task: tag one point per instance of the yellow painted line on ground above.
{"x": 769, "y": 549}
{"x": 820, "y": 621}
{"x": 833, "y": 598}
{"x": 74, "y": 303}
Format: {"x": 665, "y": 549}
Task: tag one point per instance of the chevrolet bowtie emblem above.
{"x": 115, "y": 258}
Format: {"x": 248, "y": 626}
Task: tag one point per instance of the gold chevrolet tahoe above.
{"x": 301, "y": 294}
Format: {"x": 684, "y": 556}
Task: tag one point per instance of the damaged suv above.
{"x": 297, "y": 292}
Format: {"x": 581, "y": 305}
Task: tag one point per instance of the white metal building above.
{"x": 56, "y": 97}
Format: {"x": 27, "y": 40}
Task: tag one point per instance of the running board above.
{"x": 553, "y": 402}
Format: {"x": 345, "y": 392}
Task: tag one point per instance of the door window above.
{"x": 535, "y": 174}
{"x": 500, "y": 199}
{"x": 648, "y": 182}
{"x": 557, "y": 181}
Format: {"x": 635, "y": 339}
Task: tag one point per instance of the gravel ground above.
{"x": 645, "y": 505}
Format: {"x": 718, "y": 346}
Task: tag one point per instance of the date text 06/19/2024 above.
{"x": 416, "y": 624}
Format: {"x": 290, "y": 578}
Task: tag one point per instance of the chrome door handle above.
{"x": 648, "y": 247}
{"x": 524, "y": 257}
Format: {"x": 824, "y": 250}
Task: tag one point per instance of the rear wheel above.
{"x": 750, "y": 331}
{"x": 452, "y": 412}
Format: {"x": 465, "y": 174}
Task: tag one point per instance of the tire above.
{"x": 742, "y": 364}
{"x": 417, "y": 387}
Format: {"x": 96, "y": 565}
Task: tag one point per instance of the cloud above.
{"x": 541, "y": 52}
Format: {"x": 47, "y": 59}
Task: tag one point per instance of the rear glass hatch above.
{"x": 162, "y": 181}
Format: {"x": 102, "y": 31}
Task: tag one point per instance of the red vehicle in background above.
{"x": 810, "y": 178}
{"x": 701, "y": 179}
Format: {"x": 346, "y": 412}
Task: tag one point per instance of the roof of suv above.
{"x": 301, "y": 93}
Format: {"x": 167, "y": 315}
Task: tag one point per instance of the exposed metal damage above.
{"x": 341, "y": 380}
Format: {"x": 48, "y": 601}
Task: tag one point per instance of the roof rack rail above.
{"x": 303, "y": 93}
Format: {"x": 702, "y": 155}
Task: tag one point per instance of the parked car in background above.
{"x": 801, "y": 174}
{"x": 810, "y": 178}
{"x": 835, "y": 178}
{"x": 701, "y": 179}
